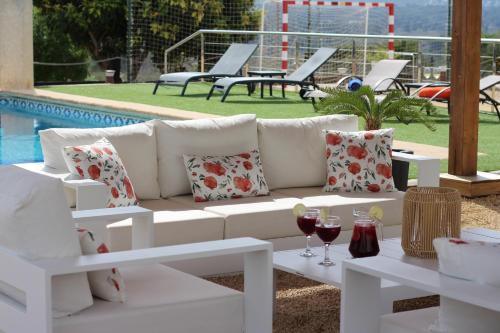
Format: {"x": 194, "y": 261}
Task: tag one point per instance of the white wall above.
{"x": 16, "y": 44}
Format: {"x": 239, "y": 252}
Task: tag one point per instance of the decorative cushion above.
{"x": 359, "y": 161}
{"x": 215, "y": 137}
{"x": 136, "y": 145}
{"x": 225, "y": 177}
{"x": 106, "y": 284}
{"x": 100, "y": 162}
{"x": 36, "y": 223}
{"x": 430, "y": 92}
{"x": 293, "y": 150}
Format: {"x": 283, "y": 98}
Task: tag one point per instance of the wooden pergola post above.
{"x": 464, "y": 118}
{"x": 465, "y": 76}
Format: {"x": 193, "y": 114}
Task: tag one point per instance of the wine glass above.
{"x": 436, "y": 73}
{"x": 427, "y": 73}
{"x": 328, "y": 230}
{"x": 307, "y": 224}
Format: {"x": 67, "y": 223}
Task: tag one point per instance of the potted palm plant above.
{"x": 375, "y": 110}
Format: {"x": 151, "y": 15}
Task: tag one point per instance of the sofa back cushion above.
{"x": 293, "y": 150}
{"x": 136, "y": 145}
{"x": 214, "y": 137}
{"x": 36, "y": 223}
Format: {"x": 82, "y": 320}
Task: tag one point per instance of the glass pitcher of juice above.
{"x": 364, "y": 242}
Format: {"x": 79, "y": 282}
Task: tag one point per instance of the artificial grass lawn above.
{"x": 291, "y": 107}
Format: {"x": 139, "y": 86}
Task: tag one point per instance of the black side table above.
{"x": 267, "y": 74}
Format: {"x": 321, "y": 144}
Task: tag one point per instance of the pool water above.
{"x": 22, "y": 118}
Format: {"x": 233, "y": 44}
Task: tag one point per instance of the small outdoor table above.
{"x": 269, "y": 73}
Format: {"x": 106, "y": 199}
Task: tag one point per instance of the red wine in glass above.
{"x": 328, "y": 231}
{"x": 307, "y": 224}
{"x": 364, "y": 242}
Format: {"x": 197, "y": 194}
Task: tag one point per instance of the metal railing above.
{"x": 355, "y": 55}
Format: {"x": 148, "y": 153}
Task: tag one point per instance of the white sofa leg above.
{"x": 428, "y": 173}
{"x": 259, "y": 292}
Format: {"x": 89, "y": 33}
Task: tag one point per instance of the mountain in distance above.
{"x": 430, "y": 17}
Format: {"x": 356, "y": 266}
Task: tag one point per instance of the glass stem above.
{"x": 327, "y": 252}
{"x": 308, "y": 248}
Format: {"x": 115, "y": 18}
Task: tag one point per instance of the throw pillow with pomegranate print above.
{"x": 359, "y": 161}
{"x": 100, "y": 162}
{"x": 226, "y": 177}
{"x": 106, "y": 284}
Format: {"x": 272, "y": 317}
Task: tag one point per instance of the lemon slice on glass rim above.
{"x": 299, "y": 210}
{"x": 323, "y": 214}
{"x": 376, "y": 212}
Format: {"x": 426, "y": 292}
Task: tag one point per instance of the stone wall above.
{"x": 16, "y": 44}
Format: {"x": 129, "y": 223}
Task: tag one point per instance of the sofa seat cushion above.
{"x": 202, "y": 137}
{"x": 162, "y": 299}
{"x": 174, "y": 224}
{"x": 260, "y": 217}
{"x": 342, "y": 204}
{"x": 136, "y": 145}
{"x": 293, "y": 150}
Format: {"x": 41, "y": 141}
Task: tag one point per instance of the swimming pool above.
{"x": 21, "y": 118}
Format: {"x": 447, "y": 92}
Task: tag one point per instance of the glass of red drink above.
{"x": 307, "y": 224}
{"x": 328, "y": 230}
{"x": 364, "y": 242}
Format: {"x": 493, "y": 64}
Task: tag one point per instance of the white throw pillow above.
{"x": 106, "y": 284}
{"x": 136, "y": 145}
{"x": 214, "y": 137}
{"x": 36, "y": 223}
{"x": 101, "y": 162}
{"x": 359, "y": 161}
{"x": 293, "y": 150}
{"x": 226, "y": 177}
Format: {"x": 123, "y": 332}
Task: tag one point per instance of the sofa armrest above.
{"x": 142, "y": 222}
{"x": 89, "y": 193}
{"x": 427, "y": 167}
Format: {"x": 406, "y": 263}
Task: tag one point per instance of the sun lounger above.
{"x": 441, "y": 92}
{"x": 381, "y": 78}
{"x": 302, "y": 77}
{"x": 230, "y": 64}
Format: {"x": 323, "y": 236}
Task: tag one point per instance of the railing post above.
{"x": 202, "y": 54}
{"x": 353, "y": 57}
{"x": 494, "y": 72}
{"x": 419, "y": 61}
{"x": 165, "y": 62}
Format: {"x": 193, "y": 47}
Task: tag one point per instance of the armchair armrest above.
{"x": 142, "y": 222}
{"x": 427, "y": 167}
{"x": 155, "y": 255}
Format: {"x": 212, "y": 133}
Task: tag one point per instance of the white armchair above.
{"x": 159, "y": 299}
{"x": 186, "y": 303}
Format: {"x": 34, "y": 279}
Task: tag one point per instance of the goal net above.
{"x": 157, "y": 26}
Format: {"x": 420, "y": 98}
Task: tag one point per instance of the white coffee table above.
{"x": 362, "y": 294}
{"x": 290, "y": 261}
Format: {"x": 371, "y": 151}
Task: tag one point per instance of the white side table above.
{"x": 361, "y": 292}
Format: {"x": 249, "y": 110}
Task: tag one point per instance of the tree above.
{"x": 162, "y": 23}
{"x": 98, "y": 26}
{"x": 56, "y": 46}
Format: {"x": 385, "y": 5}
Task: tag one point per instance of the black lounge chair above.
{"x": 485, "y": 83}
{"x": 230, "y": 64}
{"x": 382, "y": 77}
{"x": 302, "y": 77}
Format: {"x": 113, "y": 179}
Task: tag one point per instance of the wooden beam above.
{"x": 465, "y": 76}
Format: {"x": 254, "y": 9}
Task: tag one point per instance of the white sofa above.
{"x": 294, "y": 164}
